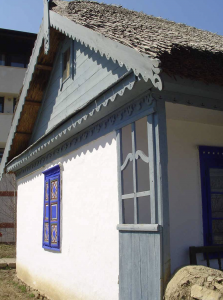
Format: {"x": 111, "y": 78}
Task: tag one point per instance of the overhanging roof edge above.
{"x": 141, "y": 64}
{"x": 26, "y": 83}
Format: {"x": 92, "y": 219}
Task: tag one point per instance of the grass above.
{"x": 22, "y": 288}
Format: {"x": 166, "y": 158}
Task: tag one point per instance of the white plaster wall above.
{"x": 186, "y": 224}
{"x": 87, "y": 267}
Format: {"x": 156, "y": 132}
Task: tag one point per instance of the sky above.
{"x": 26, "y": 15}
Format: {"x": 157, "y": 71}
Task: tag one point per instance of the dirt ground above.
{"x": 7, "y": 251}
{"x": 11, "y": 289}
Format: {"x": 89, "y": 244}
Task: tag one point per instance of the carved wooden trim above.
{"x": 141, "y": 107}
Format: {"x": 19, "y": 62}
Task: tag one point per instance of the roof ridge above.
{"x": 137, "y": 12}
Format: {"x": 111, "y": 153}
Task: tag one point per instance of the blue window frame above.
{"x": 51, "y": 209}
{"x": 211, "y": 163}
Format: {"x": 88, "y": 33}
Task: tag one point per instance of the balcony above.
{"x": 11, "y": 79}
{"x": 5, "y": 124}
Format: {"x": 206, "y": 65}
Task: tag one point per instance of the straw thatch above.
{"x": 183, "y": 50}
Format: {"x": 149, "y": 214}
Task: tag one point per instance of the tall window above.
{"x": 14, "y": 104}
{"x": 66, "y": 64}
{"x": 1, "y": 104}
{"x": 18, "y": 60}
{"x": 211, "y": 162}
{"x": 1, "y": 154}
{"x": 14, "y": 60}
{"x": 2, "y": 59}
{"x": 137, "y": 179}
{"x": 51, "y": 215}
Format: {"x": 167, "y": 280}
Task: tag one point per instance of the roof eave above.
{"x": 26, "y": 83}
{"x": 139, "y": 63}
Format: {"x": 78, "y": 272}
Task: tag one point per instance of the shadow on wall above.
{"x": 101, "y": 142}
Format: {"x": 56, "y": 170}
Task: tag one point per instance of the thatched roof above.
{"x": 183, "y": 50}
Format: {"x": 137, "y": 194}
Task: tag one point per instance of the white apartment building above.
{"x": 15, "y": 51}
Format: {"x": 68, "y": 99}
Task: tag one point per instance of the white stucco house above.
{"x": 119, "y": 167}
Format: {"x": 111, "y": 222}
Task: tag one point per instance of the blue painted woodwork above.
{"x": 91, "y": 75}
{"x": 211, "y": 158}
{"x": 51, "y": 214}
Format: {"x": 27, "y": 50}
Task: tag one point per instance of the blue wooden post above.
{"x": 162, "y": 188}
{"x": 144, "y": 265}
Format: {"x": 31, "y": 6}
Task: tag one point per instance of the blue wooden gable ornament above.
{"x": 46, "y": 24}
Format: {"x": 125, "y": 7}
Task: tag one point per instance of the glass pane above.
{"x": 127, "y": 173}
{"x": 141, "y": 135}
{"x": 217, "y": 206}
{"x": 217, "y": 229}
{"x": 66, "y": 64}
{"x": 216, "y": 180}
{"x": 2, "y": 59}
{"x": 126, "y": 142}
{"x": 1, "y": 154}
{"x": 128, "y": 211}
{"x": 1, "y": 104}
{"x": 144, "y": 210}
{"x": 18, "y": 61}
{"x": 127, "y": 179}
{"x": 143, "y": 183}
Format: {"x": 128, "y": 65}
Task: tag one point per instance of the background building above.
{"x": 15, "y": 51}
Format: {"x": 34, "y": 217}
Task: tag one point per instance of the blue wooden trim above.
{"x": 210, "y": 157}
{"x": 52, "y": 171}
{"x": 98, "y": 129}
{"x": 50, "y": 175}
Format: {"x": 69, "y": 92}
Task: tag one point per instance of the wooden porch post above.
{"x": 162, "y": 189}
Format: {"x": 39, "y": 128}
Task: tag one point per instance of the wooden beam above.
{"x": 44, "y": 67}
{"x": 32, "y": 102}
{"x": 25, "y": 133}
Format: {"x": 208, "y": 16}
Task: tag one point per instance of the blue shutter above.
{"x": 55, "y": 211}
{"x": 51, "y": 217}
{"x": 211, "y": 160}
{"x": 46, "y": 215}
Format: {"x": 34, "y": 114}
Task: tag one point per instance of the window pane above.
{"x": 1, "y": 155}
{"x": 18, "y": 61}
{"x": 217, "y": 206}
{"x": 144, "y": 210}
{"x": 66, "y": 64}
{"x": 217, "y": 229}
{"x": 141, "y": 135}
{"x": 14, "y": 104}
{"x": 143, "y": 183}
{"x": 127, "y": 173}
{"x": 126, "y": 141}
{"x": 128, "y": 211}
{"x": 127, "y": 179}
{"x": 216, "y": 180}
{"x": 1, "y": 104}
{"x": 2, "y": 59}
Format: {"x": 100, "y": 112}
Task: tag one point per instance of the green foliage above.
{"x": 31, "y": 295}
{"x": 22, "y": 288}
